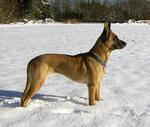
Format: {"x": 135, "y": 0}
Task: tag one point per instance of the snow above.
{"x": 31, "y": 22}
{"x": 125, "y": 88}
{"x": 132, "y": 21}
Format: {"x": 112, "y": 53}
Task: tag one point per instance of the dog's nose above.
{"x": 124, "y": 43}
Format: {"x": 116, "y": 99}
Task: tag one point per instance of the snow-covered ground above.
{"x": 63, "y": 103}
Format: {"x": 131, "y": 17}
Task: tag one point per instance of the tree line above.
{"x": 78, "y": 10}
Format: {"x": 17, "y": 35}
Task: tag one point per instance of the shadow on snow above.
{"x": 12, "y": 98}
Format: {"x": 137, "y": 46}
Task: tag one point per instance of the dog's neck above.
{"x": 101, "y": 50}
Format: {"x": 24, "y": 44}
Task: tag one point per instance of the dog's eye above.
{"x": 114, "y": 38}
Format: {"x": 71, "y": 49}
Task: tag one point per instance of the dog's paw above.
{"x": 92, "y": 103}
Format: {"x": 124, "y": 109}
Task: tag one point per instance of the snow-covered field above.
{"x": 63, "y": 103}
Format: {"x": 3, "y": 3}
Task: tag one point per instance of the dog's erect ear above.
{"x": 106, "y": 31}
{"x": 107, "y": 25}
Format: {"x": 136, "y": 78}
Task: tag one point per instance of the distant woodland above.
{"x": 78, "y": 10}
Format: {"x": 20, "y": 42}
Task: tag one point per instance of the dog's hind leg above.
{"x": 28, "y": 82}
{"x": 37, "y": 78}
{"x": 35, "y": 86}
{"x": 26, "y": 89}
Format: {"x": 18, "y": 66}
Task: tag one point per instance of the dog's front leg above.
{"x": 97, "y": 94}
{"x": 92, "y": 91}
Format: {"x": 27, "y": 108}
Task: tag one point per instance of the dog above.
{"x": 86, "y": 67}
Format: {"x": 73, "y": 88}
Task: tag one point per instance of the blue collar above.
{"x": 98, "y": 59}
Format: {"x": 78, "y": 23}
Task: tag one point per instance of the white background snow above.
{"x": 125, "y": 89}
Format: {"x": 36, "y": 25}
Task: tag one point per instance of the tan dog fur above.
{"x": 81, "y": 68}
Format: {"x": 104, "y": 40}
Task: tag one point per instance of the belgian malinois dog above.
{"x": 86, "y": 67}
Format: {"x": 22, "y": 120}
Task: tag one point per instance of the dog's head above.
{"x": 111, "y": 40}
